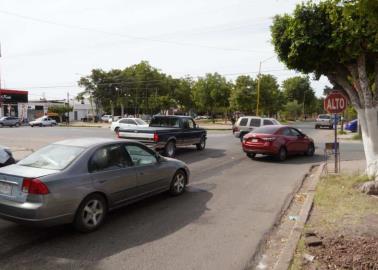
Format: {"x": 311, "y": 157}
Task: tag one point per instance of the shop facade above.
{"x": 13, "y": 103}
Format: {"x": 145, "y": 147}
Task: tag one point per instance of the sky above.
{"x": 46, "y": 46}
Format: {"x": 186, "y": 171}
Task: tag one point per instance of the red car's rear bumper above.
{"x": 266, "y": 148}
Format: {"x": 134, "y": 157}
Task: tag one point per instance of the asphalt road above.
{"x": 231, "y": 204}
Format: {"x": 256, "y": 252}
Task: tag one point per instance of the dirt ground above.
{"x": 346, "y": 222}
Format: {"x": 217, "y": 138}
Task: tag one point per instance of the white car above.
{"x": 105, "y": 118}
{"x": 127, "y": 123}
{"x": 43, "y": 122}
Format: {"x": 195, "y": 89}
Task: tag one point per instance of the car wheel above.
{"x": 330, "y": 127}
{"x": 17, "y": 125}
{"x": 40, "y": 125}
{"x": 178, "y": 183}
{"x": 170, "y": 149}
{"x": 316, "y": 127}
{"x": 251, "y": 155}
{"x": 116, "y": 130}
{"x": 200, "y": 146}
{"x": 1, "y": 124}
{"x": 310, "y": 150}
{"x": 282, "y": 154}
{"x": 91, "y": 213}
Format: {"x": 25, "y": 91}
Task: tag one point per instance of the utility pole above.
{"x": 258, "y": 91}
{"x": 68, "y": 108}
{"x": 304, "y": 98}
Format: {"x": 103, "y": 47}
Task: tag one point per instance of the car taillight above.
{"x": 268, "y": 139}
{"x": 156, "y": 137}
{"x": 34, "y": 186}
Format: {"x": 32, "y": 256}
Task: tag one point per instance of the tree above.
{"x": 60, "y": 110}
{"x": 337, "y": 39}
{"x": 292, "y": 110}
{"x": 271, "y": 98}
{"x": 212, "y": 93}
{"x": 243, "y": 95}
{"x": 299, "y": 88}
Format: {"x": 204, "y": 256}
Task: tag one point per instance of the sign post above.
{"x": 335, "y": 103}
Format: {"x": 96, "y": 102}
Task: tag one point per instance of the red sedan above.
{"x": 279, "y": 141}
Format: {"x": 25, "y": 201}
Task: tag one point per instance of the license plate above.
{"x": 5, "y": 189}
{"x": 255, "y": 140}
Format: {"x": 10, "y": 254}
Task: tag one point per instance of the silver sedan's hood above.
{"x": 24, "y": 171}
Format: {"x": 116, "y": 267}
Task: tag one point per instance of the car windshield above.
{"x": 140, "y": 122}
{"x": 164, "y": 122}
{"x": 324, "y": 116}
{"x": 53, "y": 157}
{"x": 266, "y": 130}
{"x": 2, "y": 118}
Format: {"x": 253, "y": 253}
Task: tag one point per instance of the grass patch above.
{"x": 341, "y": 132}
{"x": 296, "y": 264}
{"x": 337, "y": 198}
{"x": 357, "y": 137}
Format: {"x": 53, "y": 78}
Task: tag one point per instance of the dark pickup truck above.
{"x": 165, "y": 133}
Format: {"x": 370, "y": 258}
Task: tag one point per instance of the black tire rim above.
{"x": 203, "y": 143}
{"x": 282, "y": 154}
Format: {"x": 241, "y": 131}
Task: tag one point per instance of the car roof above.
{"x": 172, "y": 116}
{"x": 85, "y": 142}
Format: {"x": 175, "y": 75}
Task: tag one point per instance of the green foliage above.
{"x": 243, "y": 95}
{"x": 60, "y": 109}
{"x": 292, "y": 110}
{"x": 211, "y": 93}
{"x": 271, "y": 98}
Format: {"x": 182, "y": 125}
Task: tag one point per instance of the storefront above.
{"x": 13, "y": 103}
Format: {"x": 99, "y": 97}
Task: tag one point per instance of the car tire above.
{"x": 17, "y": 125}
{"x": 310, "y": 150}
{"x": 330, "y": 127}
{"x": 251, "y": 155}
{"x": 178, "y": 183}
{"x": 201, "y": 146}
{"x": 91, "y": 213}
{"x": 316, "y": 127}
{"x": 282, "y": 154}
{"x": 116, "y": 130}
{"x": 1, "y": 125}
{"x": 40, "y": 125}
{"x": 170, "y": 149}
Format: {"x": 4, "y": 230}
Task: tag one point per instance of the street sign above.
{"x": 335, "y": 102}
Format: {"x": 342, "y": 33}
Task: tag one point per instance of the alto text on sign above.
{"x": 335, "y": 102}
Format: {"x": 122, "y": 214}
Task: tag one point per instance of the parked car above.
{"x": 324, "y": 120}
{"x": 114, "y": 119}
{"x": 6, "y": 157}
{"x": 165, "y": 133}
{"x": 105, "y": 118}
{"x": 43, "y": 121}
{"x": 246, "y": 124}
{"x": 199, "y": 117}
{"x": 127, "y": 123}
{"x": 9, "y": 121}
{"x": 279, "y": 141}
{"x": 78, "y": 181}
{"x": 352, "y": 126}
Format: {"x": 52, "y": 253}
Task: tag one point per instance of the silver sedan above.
{"x": 78, "y": 181}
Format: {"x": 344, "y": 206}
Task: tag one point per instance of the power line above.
{"x": 145, "y": 81}
{"x": 77, "y": 27}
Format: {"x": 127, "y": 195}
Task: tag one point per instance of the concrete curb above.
{"x": 288, "y": 252}
{"x": 260, "y": 248}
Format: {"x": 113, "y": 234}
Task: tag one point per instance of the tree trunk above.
{"x": 368, "y": 119}
{"x": 122, "y": 110}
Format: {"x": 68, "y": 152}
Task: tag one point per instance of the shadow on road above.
{"x": 128, "y": 227}
{"x": 191, "y": 154}
{"x": 291, "y": 159}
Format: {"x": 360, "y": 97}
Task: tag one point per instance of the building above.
{"x": 13, "y": 103}
{"x": 39, "y": 108}
{"x": 82, "y": 110}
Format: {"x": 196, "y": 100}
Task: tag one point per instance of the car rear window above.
{"x": 267, "y": 122}
{"x": 243, "y": 122}
{"x": 266, "y": 130}
{"x": 165, "y": 122}
{"x": 255, "y": 122}
{"x": 53, "y": 157}
{"x": 324, "y": 116}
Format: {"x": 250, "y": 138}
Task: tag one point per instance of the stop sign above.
{"x": 335, "y": 102}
